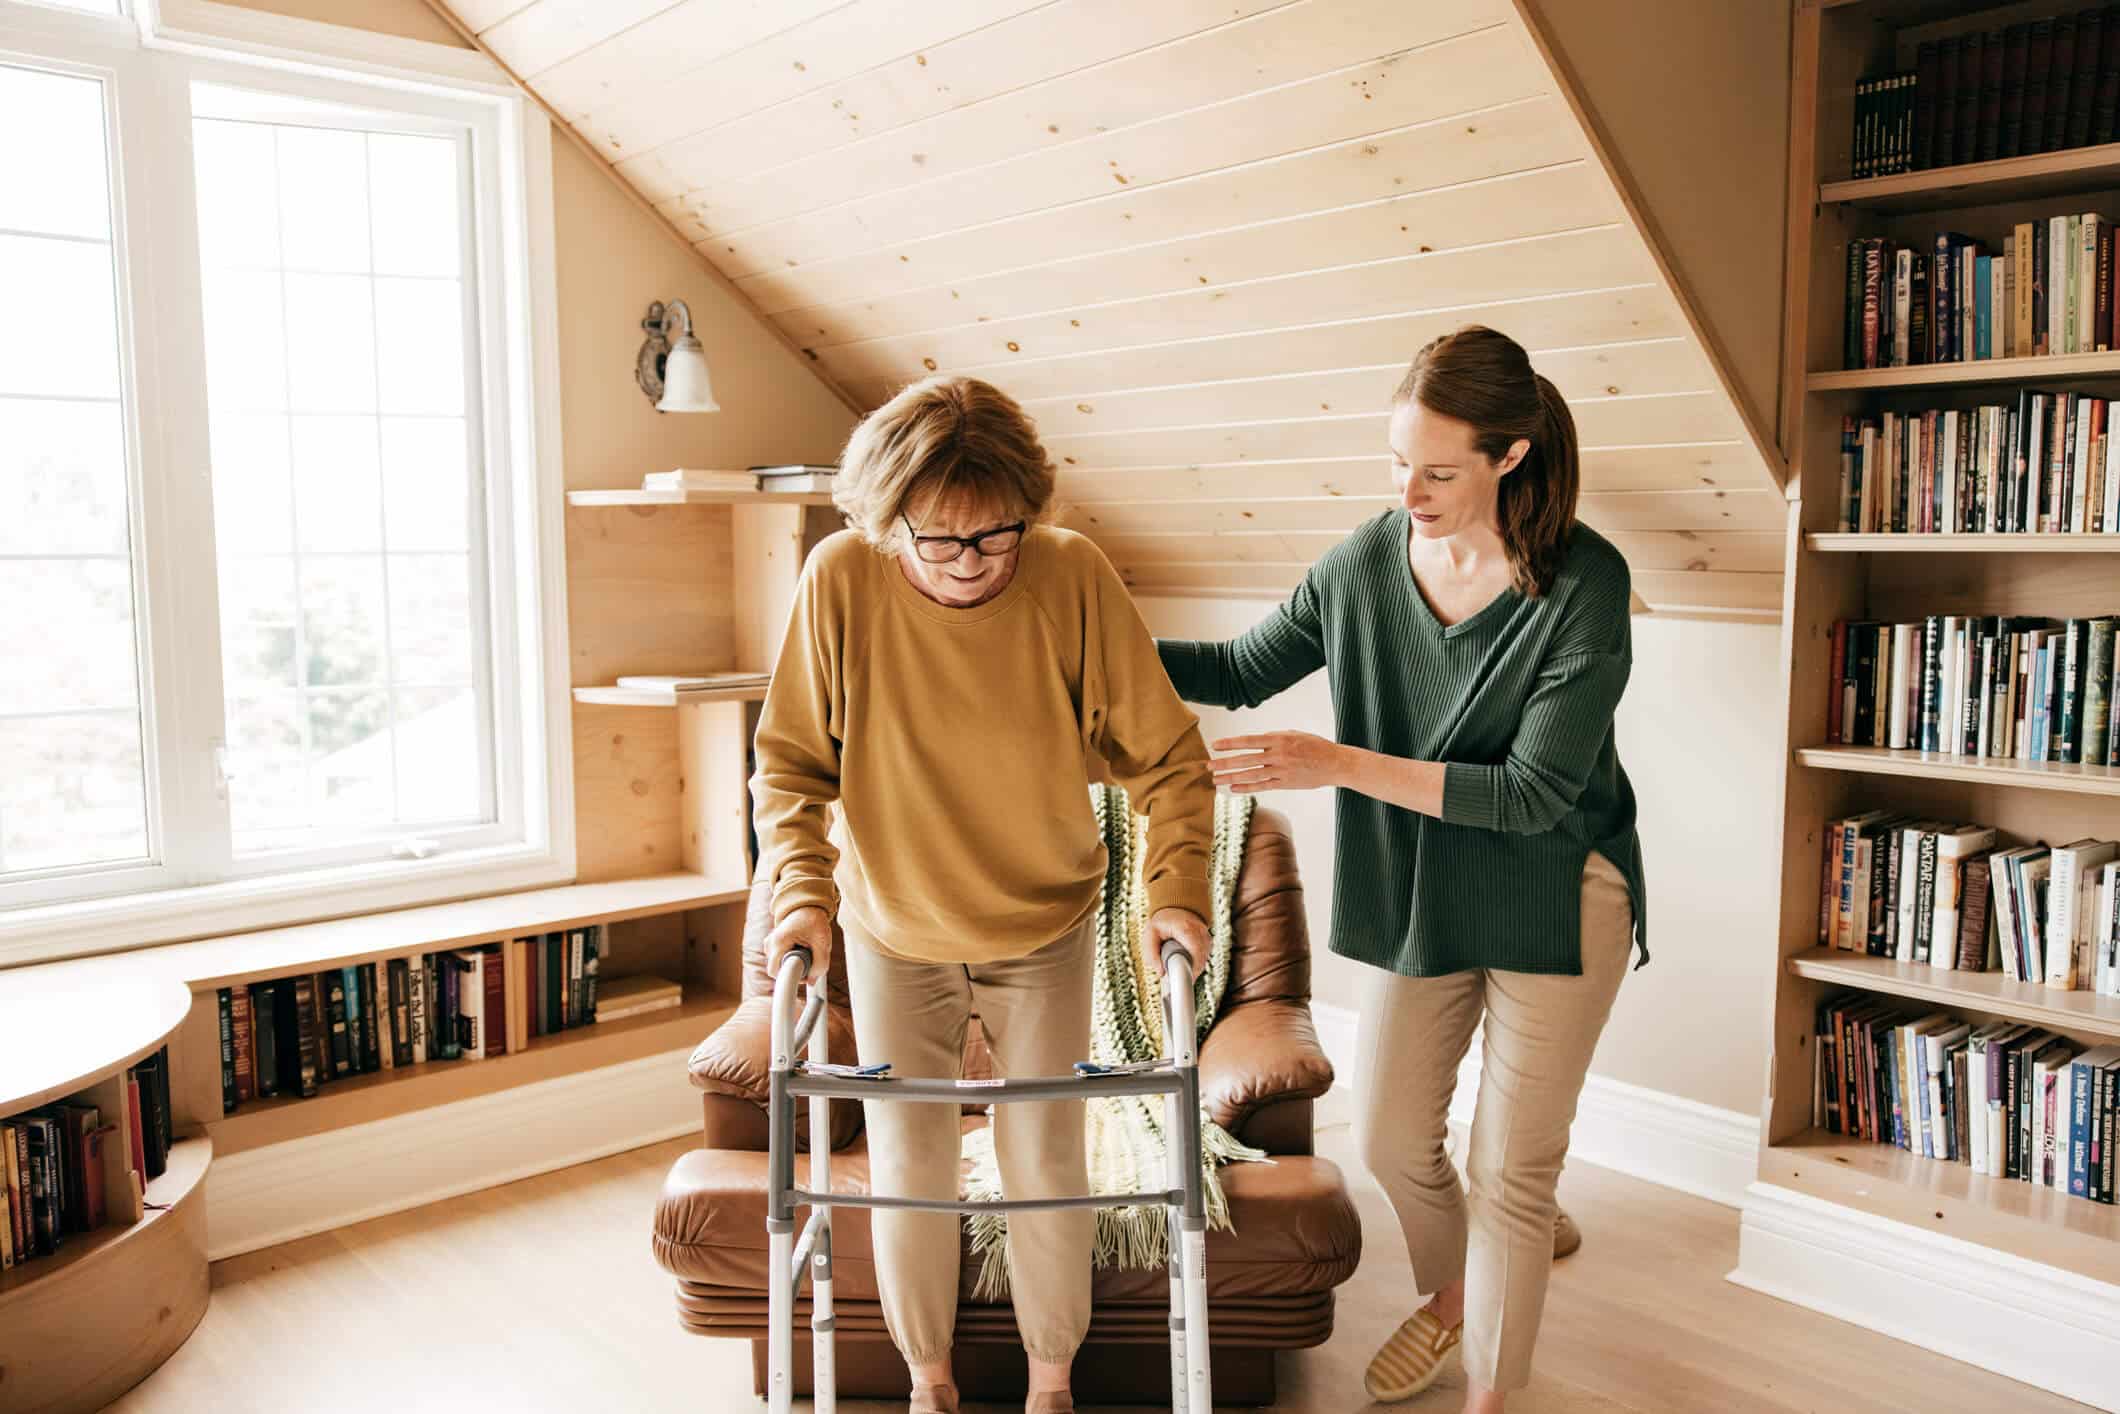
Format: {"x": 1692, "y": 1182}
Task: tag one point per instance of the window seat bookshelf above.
{"x": 358, "y": 1099}
{"x": 2038, "y": 1224}
{"x": 188, "y": 1161}
{"x": 2074, "y": 1013}
{"x": 1978, "y": 770}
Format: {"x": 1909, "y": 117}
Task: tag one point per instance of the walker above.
{"x": 1176, "y": 1077}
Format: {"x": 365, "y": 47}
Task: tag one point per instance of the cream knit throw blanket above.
{"x": 1126, "y": 1134}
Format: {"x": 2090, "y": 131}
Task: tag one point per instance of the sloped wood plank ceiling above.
{"x": 1199, "y": 239}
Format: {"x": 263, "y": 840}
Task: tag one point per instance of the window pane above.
{"x": 345, "y": 477}
{"x": 412, "y": 183}
{"x": 56, "y": 184}
{"x": 70, "y": 791}
{"x": 59, "y": 305}
{"x": 73, "y": 776}
{"x": 62, "y": 478}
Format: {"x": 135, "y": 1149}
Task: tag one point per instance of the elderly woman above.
{"x": 950, "y": 666}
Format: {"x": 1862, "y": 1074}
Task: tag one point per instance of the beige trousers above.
{"x": 1536, "y": 1043}
{"x": 1035, "y": 1013}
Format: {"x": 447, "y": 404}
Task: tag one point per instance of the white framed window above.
{"x": 279, "y": 604}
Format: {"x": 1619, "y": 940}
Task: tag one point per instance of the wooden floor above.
{"x": 542, "y": 1295}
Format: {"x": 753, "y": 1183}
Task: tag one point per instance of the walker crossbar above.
{"x": 1176, "y": 1079}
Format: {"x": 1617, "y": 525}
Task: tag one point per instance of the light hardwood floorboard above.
{"x": 542, "y": 1295}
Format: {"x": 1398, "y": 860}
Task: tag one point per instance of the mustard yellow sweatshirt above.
{"x": 957, "y": 741}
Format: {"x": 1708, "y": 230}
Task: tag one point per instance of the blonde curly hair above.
{"x": 942, "y": 434}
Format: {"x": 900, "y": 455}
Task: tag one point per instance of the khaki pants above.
{"x": 1539, "y": 1034}
{"x": 1035, "y": 1013}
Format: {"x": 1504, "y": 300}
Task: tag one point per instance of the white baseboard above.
{"x": 281, "y": 1192}
{"x": 2033, "y": 1323}
{"x": 1700, "y": 1149}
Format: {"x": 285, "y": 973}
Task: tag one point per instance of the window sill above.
{"x": 51, "y": 932}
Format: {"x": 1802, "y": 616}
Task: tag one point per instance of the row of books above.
{"x": 2009, "y": 1100}
{"x": 1954, "y": 300}
{"x": 52, "y": 1162}
{"x": 2036, "y": 86}
{"x": 2005, "y": 688}
{"x": 1952, "y": 897}
{"x": 290, "y": 1035}
{"x": 2044, "y": 464}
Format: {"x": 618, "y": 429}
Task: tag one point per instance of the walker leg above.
{"x": 1180, "y": 1401}
{"x": 824, "y": 1379}
{"x": 780, "y": 1244}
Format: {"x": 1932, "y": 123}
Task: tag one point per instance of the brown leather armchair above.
{"x": 1270, "y": 1281}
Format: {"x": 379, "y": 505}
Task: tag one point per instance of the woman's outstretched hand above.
{"x": 1181, "y": 926}
{"x": 1278, "y": 761}
{"x": 809, "y": 927}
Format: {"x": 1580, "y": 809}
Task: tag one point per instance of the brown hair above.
{"x": 1484, "y": 378}
{"x": 938, "y": 435}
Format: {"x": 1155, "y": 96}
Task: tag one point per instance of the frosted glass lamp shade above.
{"x": 686, "y": 385}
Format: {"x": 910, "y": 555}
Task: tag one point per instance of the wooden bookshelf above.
{"x": 1849, "y": 543}
{"x": 1899, "y": 577}
{"x": 2053, "y": 368}
{"x": 2075, "y": 1013}
{"x": 358, "y": 1099}
{"x": 1979, "y": 770}
{"x": 2079, "y": 171}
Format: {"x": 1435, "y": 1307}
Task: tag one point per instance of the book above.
{"x": 691, "y": 479}
{"x": 622, "y": 997}
{"x": 778, "y": 473}
{"x": 2071, "y": 907}
{"x": 692, "y": 682}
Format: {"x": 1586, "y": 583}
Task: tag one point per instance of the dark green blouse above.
{"x": 1516, "y": 700}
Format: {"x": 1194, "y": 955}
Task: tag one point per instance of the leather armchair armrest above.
{"x": 1258, "y": 1055}
{"x": 732, "y": 1064}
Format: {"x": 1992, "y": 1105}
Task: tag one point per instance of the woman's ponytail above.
{"x": 1484, "y": 378}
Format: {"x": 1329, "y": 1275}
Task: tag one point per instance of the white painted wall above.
{"x": 1698, "y": 735}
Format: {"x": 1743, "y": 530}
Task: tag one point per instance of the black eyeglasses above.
{"x": 941, "y": 549}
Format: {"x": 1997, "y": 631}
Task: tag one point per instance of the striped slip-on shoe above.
{"x": 1412, "y": 1358}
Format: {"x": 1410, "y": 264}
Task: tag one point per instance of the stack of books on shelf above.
{"x": 796, "y": 477}
{"x": 2048, "y": 291}
{"x": 694, "y": 682}
{"x": 2009, "y": 1100}
{"x": 2042, "y": 85}
{"x": 1954, "y": 897}
{"x": 1995, "y": 687}
{"x": 293, "y": 1035}
{"x": 51, "y": 1162}
{"x": 2045, "y": 463}
{"x": 686, "y": 479}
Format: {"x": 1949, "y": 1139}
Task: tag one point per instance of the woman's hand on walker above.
{"x": 1278, "y": 761}
{"x": 1181, "y": 926}
{"x": 809, "y": 927}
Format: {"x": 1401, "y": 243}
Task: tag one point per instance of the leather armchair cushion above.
{"x": 1296, "y": 1230}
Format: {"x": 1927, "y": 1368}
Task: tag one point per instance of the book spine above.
{"x": 226, "y": 1009}
{"x": 371, "y": 1033}
{"x": 592, "y": 950}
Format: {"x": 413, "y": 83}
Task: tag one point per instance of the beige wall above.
{"x": 614, "y": 259}
{"x": 1694, "y": 97}
{"x": 1697, "y": 734}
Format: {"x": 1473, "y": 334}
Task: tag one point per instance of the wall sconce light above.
{"x": 673, "y": 370}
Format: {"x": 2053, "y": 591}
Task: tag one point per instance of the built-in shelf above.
{"x": 2041, "y": 1224}
{"x": 2034, "y": 775}
{"x": 59, "y": 1031}
{"x": 310, "y": 947}
{"x": 2052, "y": 368}
{"x": 699, "y": 498}
{"x": 2079, "y": 169}
{"x": 1975, "y": 544}
{"x": 648, "y": 697}
{"x": 379, "y": 1094}
{"x": 2072, "y": 1013}
{"x": 186, "y": 1168}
